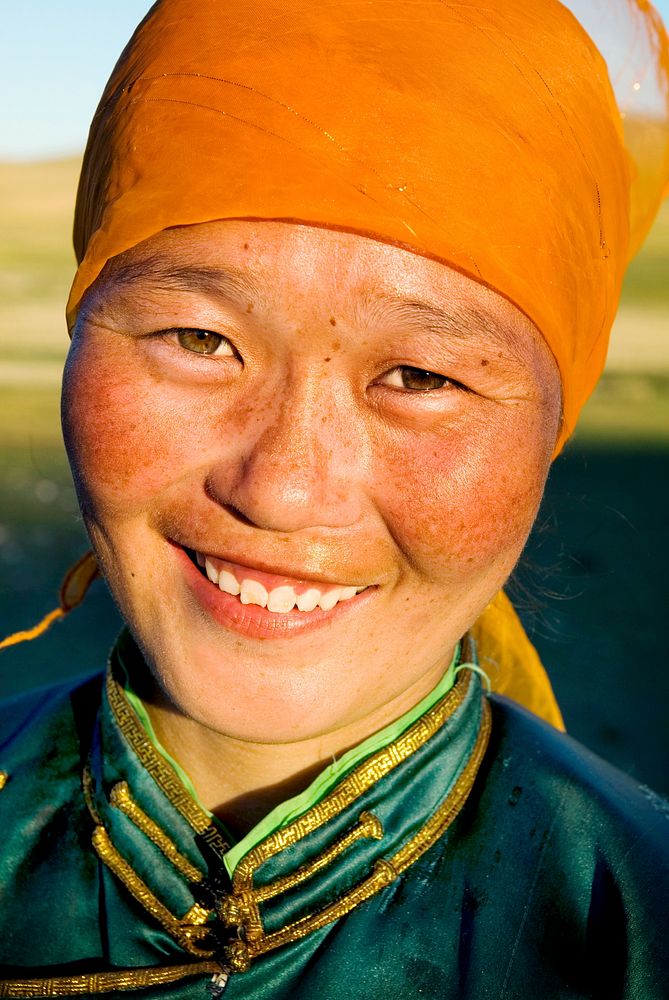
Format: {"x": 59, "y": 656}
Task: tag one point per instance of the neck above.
{"x": 242, "y": 781}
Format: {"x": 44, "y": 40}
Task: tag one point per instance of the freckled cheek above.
{"x": 127, "y": 438}
{"x": 460, "y": 503}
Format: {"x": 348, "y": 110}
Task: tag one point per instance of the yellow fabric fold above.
{"x": 511, "y": 661}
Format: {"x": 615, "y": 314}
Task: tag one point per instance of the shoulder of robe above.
{"x": 46, "y": 732}
{"x": 587, "y": 799}
{"x": 48, "y": 873}
{"x": 581, "y": 850}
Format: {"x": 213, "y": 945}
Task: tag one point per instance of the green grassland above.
{"x": 593, "y": 584}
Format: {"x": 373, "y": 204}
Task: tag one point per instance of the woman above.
{"x": 346, "y": 277}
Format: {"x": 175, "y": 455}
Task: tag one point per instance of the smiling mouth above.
{"x": 274, "y": 593}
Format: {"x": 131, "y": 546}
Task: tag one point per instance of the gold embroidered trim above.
{"x": 104, "y": 982}
{"x": 352, "y": 787}
{"x": 123, "y": 800}
{"x": 4, "y": 778}
{"x": 187, "y": 931}
{"x": 242, "y": 911}
{"x": 161, "y": 772}
{"x": 212, "y": 836}
{"x": 368, "y": 825}
{"x": 455, "y": 800}
{"x": 240, "y": 953}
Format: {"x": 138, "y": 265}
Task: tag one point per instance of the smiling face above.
{"x": 351, "y": 433}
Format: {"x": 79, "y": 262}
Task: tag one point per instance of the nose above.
{"x": 300, "y": 463}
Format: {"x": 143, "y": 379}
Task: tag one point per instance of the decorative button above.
{"x": 237, "y": 956}
{"x": 230, "y": 911}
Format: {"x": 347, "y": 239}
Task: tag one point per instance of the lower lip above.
{"x": 253, "y": 621}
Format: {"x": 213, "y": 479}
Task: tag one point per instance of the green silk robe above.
{"x": 480, "y": 854}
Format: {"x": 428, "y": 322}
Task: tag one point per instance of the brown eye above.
{"x": 416, "y": 379}
{"x": 204, "y": 342}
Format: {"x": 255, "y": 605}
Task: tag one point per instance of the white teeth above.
{"x": 309, "y": 600}
{"x": 328, "y": 601}
{"x": 281, "y": 599}
{"x": 346, "y": 593}
{"x": 228, "y": 583}
{"x": 253, "y": 592}
{"x": 212, "y": 572}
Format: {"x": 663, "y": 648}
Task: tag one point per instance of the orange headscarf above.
{"x": 486, "y": 136}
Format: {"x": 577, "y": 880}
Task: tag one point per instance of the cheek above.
{"x": 468, "y": 498}
{"x": 123, "y": 437}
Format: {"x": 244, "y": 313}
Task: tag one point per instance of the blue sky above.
{"x": 55, "y": 57}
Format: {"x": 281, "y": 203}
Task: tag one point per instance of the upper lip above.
{"x": 299, "y": 575}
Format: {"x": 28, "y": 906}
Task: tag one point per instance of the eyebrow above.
{"x": 216, "y": 282}
{"x": 459, "y": 321}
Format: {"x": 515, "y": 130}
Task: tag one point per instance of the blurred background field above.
{"x": 592, "y": 586}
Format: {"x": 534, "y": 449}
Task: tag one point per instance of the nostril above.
{"x": 230, "y": 508}
{"x": 238, "y": 515}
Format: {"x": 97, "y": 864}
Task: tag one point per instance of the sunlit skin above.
{"x": 364, "y": 417}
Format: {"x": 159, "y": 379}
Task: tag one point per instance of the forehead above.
{"x": 257, "y": 253}
{"x": 315, "y": 269}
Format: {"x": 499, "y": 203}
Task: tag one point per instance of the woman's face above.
{"x": 323, "y": 418}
